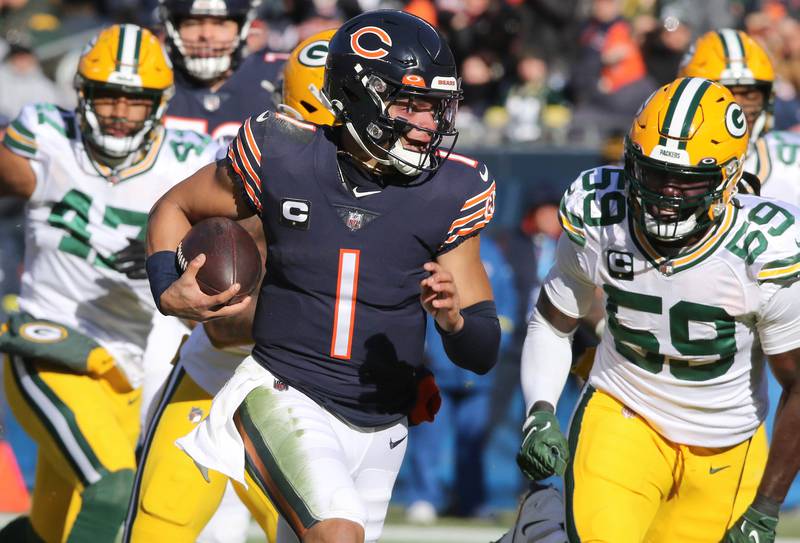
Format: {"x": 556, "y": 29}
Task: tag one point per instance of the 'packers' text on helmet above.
{"x": 303, "y": 76}
{"x": 382, "y": 56}
{"x": 206, "y": 61}
{"x": 683, "y": 157}
{"x": 123, "y": 60}
{"x": 734, "y": 59}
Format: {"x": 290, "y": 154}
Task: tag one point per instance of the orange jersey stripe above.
{"x": 246, "y": 163}
{"x": 251, "y": 141}
{"x": 464, "y": 220}
{"x": 248, "y": 189}
{"x": 475, "y": 200}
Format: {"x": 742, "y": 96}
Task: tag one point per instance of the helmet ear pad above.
{"x": 382, "y": 56}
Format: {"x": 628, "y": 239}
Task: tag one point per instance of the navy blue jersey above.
{"x": 220, "y": 113}
{"x": 338, "y": 315}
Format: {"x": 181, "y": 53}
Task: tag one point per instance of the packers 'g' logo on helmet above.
{"x": 734, "y": 59}
{"x": 683, "y": 157}
{"x": 735, "y": 121}
{"x": 303, "y": 77}
{"x": 123, "y": 60}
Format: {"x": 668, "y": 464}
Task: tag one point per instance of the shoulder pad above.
{"x": 768, "y": 240}
{"x": 595, "y": 198}
{"x": 37, "y": 123}
{"x": 275, "y": 130}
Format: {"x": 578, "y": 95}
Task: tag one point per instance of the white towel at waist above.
{"x": 215, "y": 443}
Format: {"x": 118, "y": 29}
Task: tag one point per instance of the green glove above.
{"x": 752, "y": 527}
{"x": 544, "y": 450}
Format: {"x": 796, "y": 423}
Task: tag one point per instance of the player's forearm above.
{"x": 166, "y": 226}
{"x": 784, "y": 454}
{"x": 546, "y": 354}
{"x": 232, "y": 331}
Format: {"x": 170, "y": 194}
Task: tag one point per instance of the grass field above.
{"x": 452, "y": 530}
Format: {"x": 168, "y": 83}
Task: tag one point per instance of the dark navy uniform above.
{"x": 339, "y": 316}
{"x": 220, "y": 113}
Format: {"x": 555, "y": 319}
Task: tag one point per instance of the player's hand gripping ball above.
{"x": 231, "y": 257}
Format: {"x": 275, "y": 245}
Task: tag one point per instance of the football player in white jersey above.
{"x": 74, "y": 354}
{"x": 667, "y": 442}
{"x": 736, "y": 60}
{"x": 171, "y": 501}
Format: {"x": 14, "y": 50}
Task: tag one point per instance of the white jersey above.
{"x": 77, "y": 218}
{"x": 208, "y": 366}
{"x": 775, "y": 160}
{"x": 685, "y": 338}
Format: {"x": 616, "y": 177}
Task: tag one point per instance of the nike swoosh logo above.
{"x": 393, "y": 444}
{"x": 359, "y": 194}
{"x": 713, "y": 470}
{"x": 484, "y": 173}
{"x": 545, "y": 427}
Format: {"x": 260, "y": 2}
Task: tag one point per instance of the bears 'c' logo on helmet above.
{"x": 360, "y": 50}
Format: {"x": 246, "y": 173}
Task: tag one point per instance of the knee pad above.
{"x": 103, "y": 508}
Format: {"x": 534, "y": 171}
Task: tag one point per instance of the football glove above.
{"x": 544, "y": 450}
{"x": 131, "y": 260}
{"x": 428, "y": 399}
{"x": 752, "y": 527}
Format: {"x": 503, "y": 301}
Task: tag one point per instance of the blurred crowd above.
{"x": 549, "y": 71}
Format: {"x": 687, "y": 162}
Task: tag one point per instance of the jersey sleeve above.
{"x": 34, "y": 135}
{"x": 477, "y": 208}
{"x": 780, "y": 320}
{"x": 570, "y": 284}
{"x": 21, "y": 135}
{"x": 244, "y": 157}
{"x": 769, "y": 242}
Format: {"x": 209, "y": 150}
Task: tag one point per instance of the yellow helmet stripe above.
{"x": 130, "y": 42}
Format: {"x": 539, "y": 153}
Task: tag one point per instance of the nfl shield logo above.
{"x": 355, "y": 220}
{"x": 211, "y": 102}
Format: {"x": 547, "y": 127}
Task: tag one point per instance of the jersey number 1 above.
{"x": 344, "y": 311}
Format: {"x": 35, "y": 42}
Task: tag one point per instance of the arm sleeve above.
{"x": 569, "y": 285}
{"x": 780, "y": 321}
{"x": 546, "y": 360}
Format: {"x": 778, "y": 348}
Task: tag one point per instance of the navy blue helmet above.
{"x": 204, "y": 62}
{"x": 382, "y": 56}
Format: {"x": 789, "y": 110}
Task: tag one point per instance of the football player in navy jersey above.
{"x": 216, "y": 87}
{"x": 371, "y": 224}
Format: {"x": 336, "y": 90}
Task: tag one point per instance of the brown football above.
{"x": 231, "y": 256}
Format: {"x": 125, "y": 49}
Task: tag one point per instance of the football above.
{"x": 231, "y": 256}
